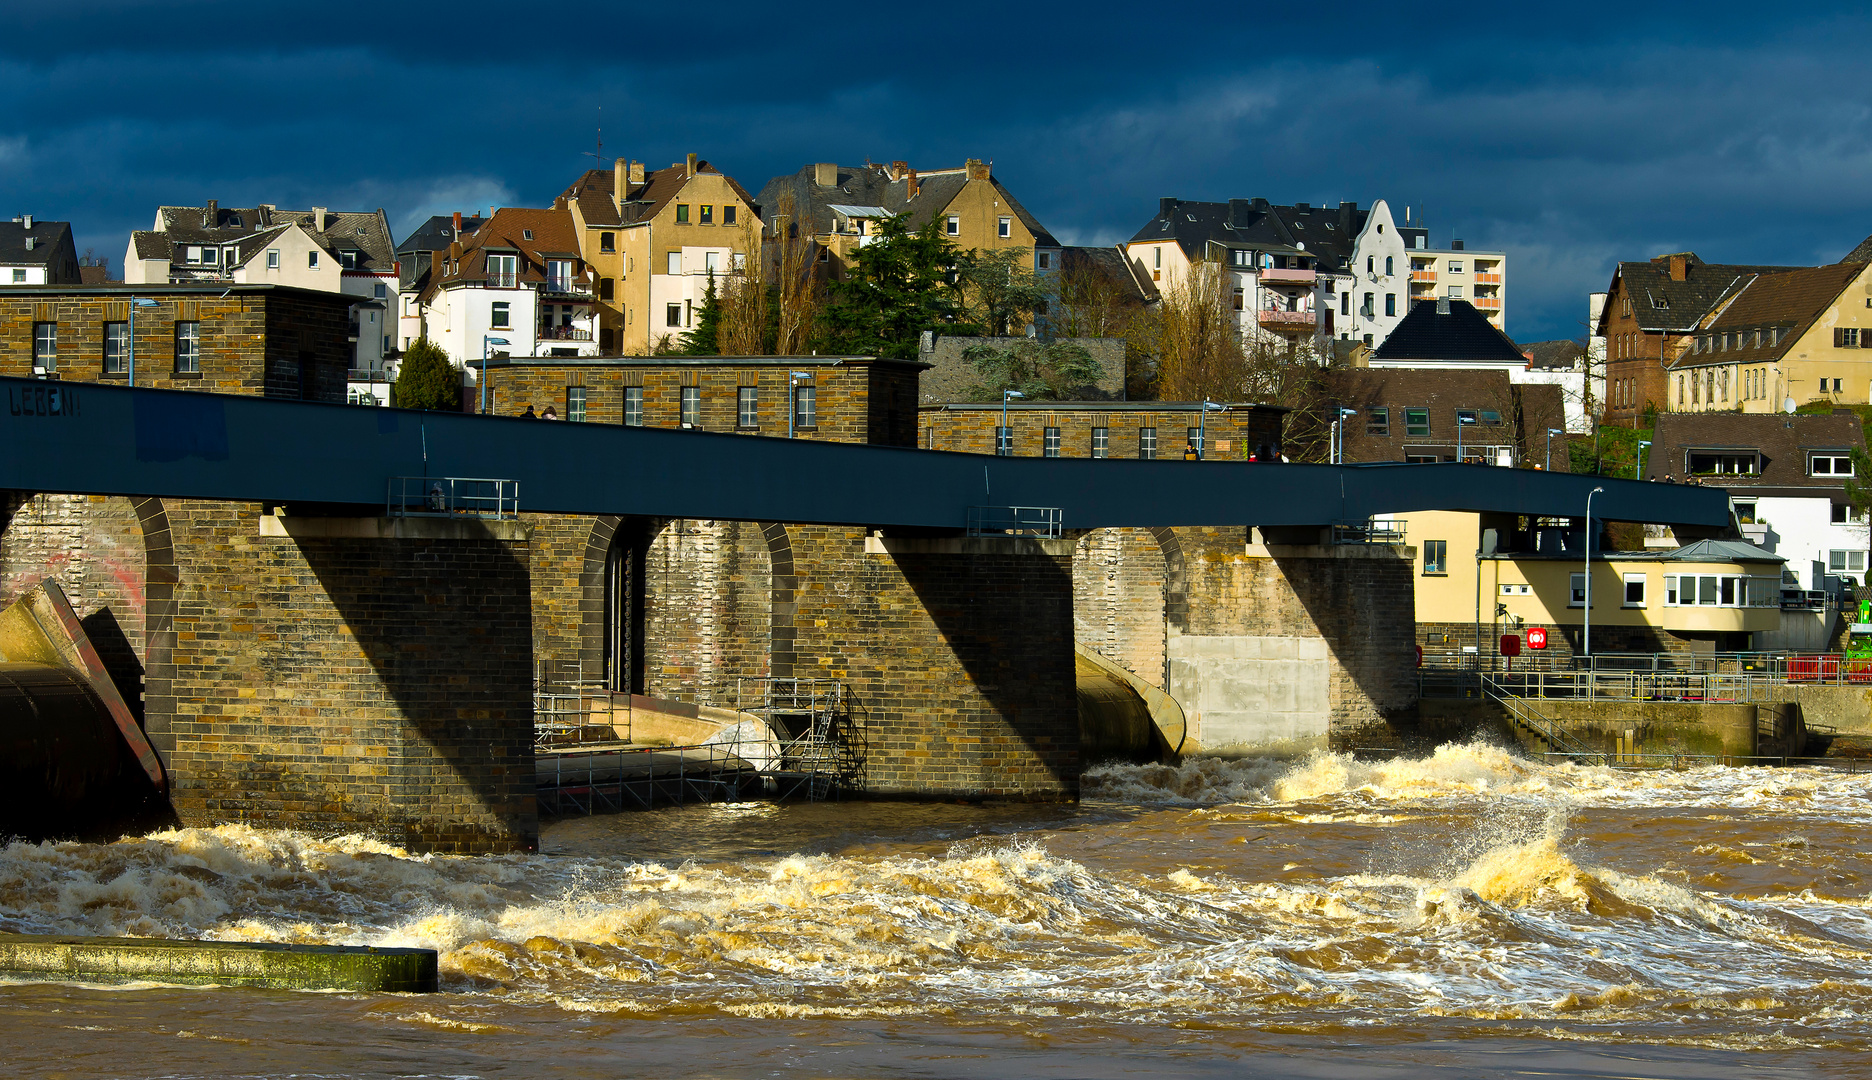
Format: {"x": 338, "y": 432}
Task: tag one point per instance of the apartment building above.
{"x": 1478, "y": 278}
{"x": 415, "y": 257}
{"x": 1802, "y": 335}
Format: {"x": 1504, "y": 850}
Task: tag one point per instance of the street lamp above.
{"x": 1005, "y": 433}
{"x": 1586, "y": 633}
{"x": 1551, "y": 432}
{"x": 1460, "y": 421}
{"x": 485, "y": 342}
{"x": 1338, "y": 424}
{"x": 130, "y": 351}
{"x": 792, "y": 398}
{"x": 1202, "y": 427}
{"x": 1638, "y": 473}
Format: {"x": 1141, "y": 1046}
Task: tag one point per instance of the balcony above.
{"x": 1287, "y": 321}
{"x": 1298, "y": 277}
{"x": 1487, "y": 303}
{"x": 564, "y": 333}
{"x": 1423, "y": 275}
{"x": 577, "y": 290}
{"x": 1488, "y": 279}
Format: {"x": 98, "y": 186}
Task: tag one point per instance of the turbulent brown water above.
{"x": 1466, "y": 914}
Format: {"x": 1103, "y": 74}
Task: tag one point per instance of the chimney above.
{"x": 636, "y": 172}
{"x": 30, "y": 241}
{"x": 1442, "y": 305}
{"x": 911, "y": 184}
{"x": 27, "y": 222}
{"x": 1455, "y": 245}
{"x": 689, "y": 168}
{"x": 1304, "y": 208}
{"x": 1238, "y": 213}
{"x": 620, "y": 182}
{"x": 559, "y": 202}
{"x": 1166, "y": 206}
{"x": 318, "y": 218}
{"x": 1679, "y": 267}
{"x": 1258, "y": 204}
{"x": 825, "y": 174}
{"x": 263, "y": 214}
{"x": 211, "y": 216}
{"x": 900, "y": 170}
{"x": 458, "y": 224}
{"x": 977, "y": 170}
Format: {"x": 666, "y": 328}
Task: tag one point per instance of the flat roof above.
{"x": 1099, "y": 406}
{"x": 219, "y": 288}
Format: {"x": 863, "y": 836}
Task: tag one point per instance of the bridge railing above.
{"x": 452, "y": 496}
{"x": 1044, "y": 522}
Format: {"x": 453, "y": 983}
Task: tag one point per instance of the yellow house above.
{"x": 1479, "y": 577}
{"x": 654, "y": 238}
{"x": 1802, "y": 334}
{"x": 837, "y": 207}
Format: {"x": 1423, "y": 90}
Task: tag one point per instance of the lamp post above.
{"x": 130, "y": 346}
{"x": 1460, "y": 421}
{"x": 1551, "y": 432}
{"x": 1338, "y": 424}
{"x": 1202, "y": 428}
{"x": 1638, "y": 473}
{"x": 1586, "y": 633}
{"x": 1005, "y": 432}
{"x": 792, "y": 398}
{"x": 485, "y": 342}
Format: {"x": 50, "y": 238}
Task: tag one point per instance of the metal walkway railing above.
{"x": 1524, "y": 714}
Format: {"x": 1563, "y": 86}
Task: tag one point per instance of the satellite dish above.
{"x": 1787, "y": 406}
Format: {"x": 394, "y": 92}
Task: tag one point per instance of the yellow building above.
{"x": 1802, "y": 334}
{"x": 837, "y": 207}
{"x": 1479, "y": 577}
{"x": 654, "y": 238}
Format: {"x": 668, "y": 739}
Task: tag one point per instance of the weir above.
{"x": 307, "y": 659}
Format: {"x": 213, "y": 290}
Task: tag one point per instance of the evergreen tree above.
{"x": 426, "y": 379}
{"x": 901, "y": 284}
{"x": 704, "y": 339}
{"x": 1003, "y": 293}
{"x": 1054, "y": 371}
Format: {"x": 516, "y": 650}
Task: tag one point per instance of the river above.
{"x": 1466, "y": 914}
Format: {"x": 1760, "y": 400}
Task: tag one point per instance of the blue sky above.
{"x": 1571, "y": 137}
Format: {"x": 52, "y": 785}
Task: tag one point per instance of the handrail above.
{"x": 451, "y": 496}
{"x": 1521, "y": 712}
{"x": 1039, "y": 521}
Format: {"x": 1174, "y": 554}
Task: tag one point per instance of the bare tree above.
{"x": 798, "y": 296}
{"x": 1199, "y": 354}
{"x": 743, "y": 330}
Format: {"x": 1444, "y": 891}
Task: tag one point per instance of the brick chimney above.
{"x": 211, "y": 216}
{"x": 899, "y": 170}
{"x": 825, "y": 174}
{"x": 559, "y": 202}
{"x": 458, "y": 224}
{"x": 620, "y": 183}
{"x": 911, "y": 184}
{"x": 977, "y": 170}
{"x": 1679, "y": 267}
{"x": 689, "y": 168}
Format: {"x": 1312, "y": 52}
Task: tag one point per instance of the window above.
{"x": 210, "y": 257}
{"x": 1490, "y": 417}
{"x": 1846, "y": 337}
{"x": 690, "y": 406}
{"x": 575, "y": 403}
{"x": 672, "y": 314}
{"x": 633, "y": 406}
{"x": 1829, "y": 465}
{"x": 1345, "y": 303}
{"x": 1717, "y": 463}
{"x": 1851, "y": 561}
{"x": 500, "y": 315}
{"x": 1466, "y": 416}
{"x": 1436, "y": 557}
{"x": 747, "y": 413}
{"x": 952, "y": 226}
{"x": 312, "y": 259}
{"x": 1101, "y": 441}
{"x": 187, "y": 347}
{"x": 675, "y": 265}
{"x": 1004, "y": 441}
{"x": 1147, "y": 443}
{"x": 682, "y": 213}
{"x": 1378, "y": 422}
{"x": 607, "y": 243}
{"x": 1371, "y": 264}
{"x": 1051, "y": 446}
{"x": 348, "y": 258}
{"x": 728, "y": 215}
{"x": 1004, "y": 228}
{"x": 45, "y": 348}
{"x": 711, "y": 261}
{"x": 1417, "y": 422}
{"x": 605, "y": 286}
{"x": 1843, "y": 514}
{"x": 1043, "y": 260}
{"x": 19, "y": 275}
{"x": 502, "y": 270}
{"x": 559, "y": 275}
{"x": 1367, "y": 309}
{"x": 1387, "y": 265}
{"x": 1192, "y": 437}
{"x": 380, "y": 292}
{"x": 1455, "y": 292}
{"x": 1390, "y": 303}
{"x": 705, "y": 214}
{"x": 1634, "y": 590}
{"x": 1576, "y": 590}
{"x": 805, "y": 406}
{"x": 1745, "y": 513}
{"x": 116, "y": 348}
{"x": 1455, "y": 268}
{"x": 273, "y": 259}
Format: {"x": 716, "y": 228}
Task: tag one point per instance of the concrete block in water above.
{"x": 53, "y": 957}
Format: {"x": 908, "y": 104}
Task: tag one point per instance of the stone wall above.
{"x": 1118, "y": 599}
{"x": 1232, "y": 436}
{"x": 707, "y": 610}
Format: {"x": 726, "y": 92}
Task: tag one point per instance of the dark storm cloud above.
{"x": 1571, "y": 138}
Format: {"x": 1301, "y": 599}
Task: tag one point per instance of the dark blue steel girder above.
{"x": 84, "y": 438}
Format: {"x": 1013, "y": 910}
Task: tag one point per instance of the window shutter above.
{"x": 1839, "y": 337}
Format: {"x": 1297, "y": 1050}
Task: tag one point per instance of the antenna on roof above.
{"x": 600, "y": 154}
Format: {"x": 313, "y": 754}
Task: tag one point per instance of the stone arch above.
{"x": 708, "y": 598}
{"x": 1122, "y": 597}
{"x": 782, "y": 657}
{"x": 160, "y": 579}
{"x": 597, "y": 620}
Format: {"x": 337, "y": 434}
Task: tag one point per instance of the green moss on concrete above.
{"x": 233, "y": 963}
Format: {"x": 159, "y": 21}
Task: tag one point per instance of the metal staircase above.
{"x": 821, "y": 750}
{"x": 1524, "y": 715}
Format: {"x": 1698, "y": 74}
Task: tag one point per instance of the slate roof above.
{"x": 365, "y": 232}
{"x": 1860, "y": 254}
{"x": 1109, "y": 263}
{"x": 1537, "y": 407}
{"x": 554, "y": 236}
{"x": 593, "y": 191}
{"x": 871, "y": 185}
{"x": 1790, "y": 300}
{"x": 1461, "y": 333}
{"x": 50, "y": 239}
{"x": 1328, "y": 234}
{"x": 1661, "y": 305}
{"x": 437, "y": 233}
{"x": 1554, "y": 355}
{"x": 1782, "y": 441}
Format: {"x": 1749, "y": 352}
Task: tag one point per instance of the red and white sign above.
{"x": 1511, "y": 645}
{"x": 1537, "y": 638}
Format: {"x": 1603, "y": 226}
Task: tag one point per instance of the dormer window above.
{"x": 1829, "y": 464}
{"x": 526, "y": 234}
{"x": 210, "y": 257}
{"x": 348, "y": 259}
{"x": 1660, "y": 303}
{"x": 236, "y": 222}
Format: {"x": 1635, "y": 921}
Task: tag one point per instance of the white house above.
{"x": 34, "y": 252}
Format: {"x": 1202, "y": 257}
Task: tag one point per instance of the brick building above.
{"x": 264, "y": 340}
{"x": 857, "y": 399}
{"x": 1412, "y": 414}
{"x": 1097, "y": 429}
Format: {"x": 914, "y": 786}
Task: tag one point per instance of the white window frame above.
{"x": 633, "y": 406}
{"x": 1147, "y": 444}
{"x": 689, "y": 406}
{"x": 747, "y": 407}
{"x": 500, "y": 315}
{"x": 1846, "y": 561}
{"x": 1834, "y": 464}
{"x": 1639, "y": 580}
{"x": 1436, "y": 558}
{"x": 188, "y": 347}
{"x": 1101, "y": 442}
{"x": 117, "y": 359}
{"x": 273, "y": 259}
{"x": 952, "y": 225}
{"x": 1050, "y": 442}
{"x": 312, "y": 259}
{"x": 575, "y": 403}
{"x": 711, "y": 262}
{"x": 1004, "y": 227}
{"x": 45, "y": 348}
{"x": 805, "y": 406}
{"x": 673, "y": 263}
